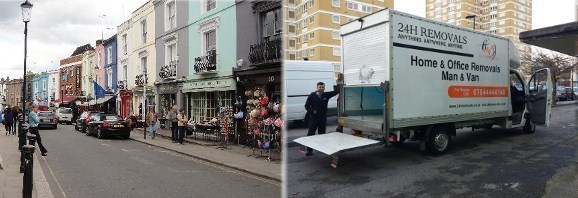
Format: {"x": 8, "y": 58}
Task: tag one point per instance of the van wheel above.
{"x": 438, "y": 141}
{"x": 529, "y": 127}
{"x": 488, "y": 126}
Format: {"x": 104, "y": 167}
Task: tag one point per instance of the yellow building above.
{"x": 312, "y": 26}
{"x": 506, "y": 18}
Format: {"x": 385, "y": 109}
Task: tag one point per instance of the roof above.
{"x": 562, "y": 38}
{"x": 82, "y": 49}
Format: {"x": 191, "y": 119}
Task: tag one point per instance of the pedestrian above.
{"x": 16, "y": 111}
{"x": 182, "y": 121}
{"x": 174, "y": 126}
{"x": 152, "y": 119}
{"x": 33, "y": 121}
{"x": 8, "y": 119}
{"x": 316, "y": 106}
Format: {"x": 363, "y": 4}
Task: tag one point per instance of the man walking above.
{"x": 316, "y": 106}
{"x": 33, "y": 121}
{"x": 174, "y": 125}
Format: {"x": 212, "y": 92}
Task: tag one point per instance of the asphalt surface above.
{"x": 82, "y": 166}
{"x": 483, "y": 163}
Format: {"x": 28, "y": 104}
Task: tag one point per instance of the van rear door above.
{"x": 540, "y": 103}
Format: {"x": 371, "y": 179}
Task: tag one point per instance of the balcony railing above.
{"x": 206, "y": 64}
{"x": 169, "y": 71}
{"x": 140, "y": 80}
{"x": 121, "y": 84}
{"x": 268, "y": 51}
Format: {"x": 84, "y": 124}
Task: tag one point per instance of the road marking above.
{"x": 54, "y": 176}
{"x": 106, "y": 145}
{"x": 128, "y": 150}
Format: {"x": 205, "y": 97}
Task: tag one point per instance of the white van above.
{"x": 64, "y": 115}
{"x": 301, "y": 78}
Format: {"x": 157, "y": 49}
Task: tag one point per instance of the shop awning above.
{"x": 562, "y": 38}
{"x": 66, "y": 99}
{"x": 100, "y": 100}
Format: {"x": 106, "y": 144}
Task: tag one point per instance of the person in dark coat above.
{"x": 8, "y": 120}
{"x": 316, "y": 106}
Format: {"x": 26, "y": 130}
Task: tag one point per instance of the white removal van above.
{"x": 301, "y": 78}
{"x": 411, "y": 78}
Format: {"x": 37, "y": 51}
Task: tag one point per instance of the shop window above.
{"x": 205, "y": 105}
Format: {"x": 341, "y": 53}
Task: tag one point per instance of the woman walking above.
{"x": 8, "y": 119}
{"x": 152, "y": 119}
{"x": 33, "y": 121}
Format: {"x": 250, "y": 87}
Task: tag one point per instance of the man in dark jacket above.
{"x": 316, "y": 106}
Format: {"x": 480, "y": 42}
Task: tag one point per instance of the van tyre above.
{"x": 529, "y": 127}
{"x": 438, "y": 140}
{"x": 99, "y": 133}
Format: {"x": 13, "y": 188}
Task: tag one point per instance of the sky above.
{"x": 57, "y": 27}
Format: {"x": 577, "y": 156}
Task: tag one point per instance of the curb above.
{"x": 565, "y": 104}
{"x": 1, "y": 167}
{"x": 214, "y": 162}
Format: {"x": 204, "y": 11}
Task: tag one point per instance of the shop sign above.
{"x": 220, "y": 83}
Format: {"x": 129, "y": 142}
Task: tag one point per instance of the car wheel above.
{"x": 99, "y": 133}
{"x": 439, "y": 140}
{"x": 127, "y": 136}
{"x": 86, "y": 132}
{"x": 55, "y": 127}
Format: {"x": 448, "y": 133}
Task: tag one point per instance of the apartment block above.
{"x": 312, "y": 26}
{"x": 505, "y": 18}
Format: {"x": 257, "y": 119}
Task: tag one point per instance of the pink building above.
{"x": 99, "y": 67}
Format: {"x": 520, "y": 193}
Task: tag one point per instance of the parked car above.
{"x": 64, "y": 115}
{"x": 571, "y": 95}
{"x": 103, "y": 125}
{"x": 47, "y": 119}
{"x": 83, "y": 120}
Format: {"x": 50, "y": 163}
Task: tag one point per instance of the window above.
{"x": 143, "y": 31}
{"x": 171, "y": 53}
{"x": 311, "y": 3}
{"x": 311, "y": 52}
{"x": 210, "y": 41}
{"x": 143, "y": 64}
{"x": 312, "y": 19}
{"x": 291, "y": 28}
{"x": 298, "y": 39}
{"x": 335, "y": 3}
{"x": 352, "y": 6}
{"x": 366, "y": 9}
{"x": 304, "y": 39}
{"x": 335, "y": 35}
{"x": 335, "y": 19}
{"x": 124, "y": 73}
{"x": 271, "y": 22}
{"x": 304, "y": 52}
{"x": 502, "y": 22}
{"x": 311, "y": 35}
{"x": 109, "y": 78}
{"x": 292, "y": 43}
{"x": 502, "y": 30}
{"x": 304, "y": 8}
{"x": 304, "y": 23}
{"x": 109, "y": 55}
{"x": 211, "y": 4}
{"x": 502, "y": 6}
{"x": 336, "y": 51}
{"x": 124, "y": 44}
{"x": 171, "y": 21}
{"x": 291, "y": 14}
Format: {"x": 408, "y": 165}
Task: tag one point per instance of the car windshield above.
{"x": 65, "y": 111}
{"x": 46, "y": 115}
{"x": 110, "y": 117}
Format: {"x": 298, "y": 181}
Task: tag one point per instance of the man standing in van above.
{"x": 316, "y": 106}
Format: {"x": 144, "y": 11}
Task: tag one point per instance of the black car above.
{"x": 103, "y": 125}
{"x": 83, "y": 120}
{"x": 47, "y": 119}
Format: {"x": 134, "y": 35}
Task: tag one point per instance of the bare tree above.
{"x": 559, "y": 64}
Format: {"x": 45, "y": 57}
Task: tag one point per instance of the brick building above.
{"x": 70, "y": 77}
{"x": 13, "y": 92}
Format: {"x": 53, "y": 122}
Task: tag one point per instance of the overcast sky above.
{"x": 57, "y": 27}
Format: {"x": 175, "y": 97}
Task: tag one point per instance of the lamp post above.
{"x": 474, "y": 17}
{"x": 26, "y": 12}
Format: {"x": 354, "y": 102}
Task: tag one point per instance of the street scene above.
{"x": 482, "y": 163}
{"x": 141, "y": 98}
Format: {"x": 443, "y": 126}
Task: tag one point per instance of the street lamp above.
{"x": 26, "y": 12}
{"x": 474, "y": 17}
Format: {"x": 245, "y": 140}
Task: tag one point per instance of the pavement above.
{"x": 238, "y": 157}
{"x": 10, "y": 176}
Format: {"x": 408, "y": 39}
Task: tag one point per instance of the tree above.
{"x": 559, "y": 64}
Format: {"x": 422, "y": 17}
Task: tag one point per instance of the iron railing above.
{"x": 268, "y": 51}
{"x": 207, "y": 63}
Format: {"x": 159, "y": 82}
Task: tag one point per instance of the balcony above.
{"x": 140, "y": 80}
{"x": 121, "y": 84}
{"x": 206, "y": 64}
{"x": 266, "y": 52}
{"x": 169, "y": 71}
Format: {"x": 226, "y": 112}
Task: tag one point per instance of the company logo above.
{"x": 489, "y": 50}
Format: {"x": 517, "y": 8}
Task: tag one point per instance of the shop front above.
{"x": 169, "y": 95}
{"x": 207, "y": 97}
{"x": 258, "y": 117}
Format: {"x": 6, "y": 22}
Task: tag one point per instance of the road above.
{"x": 82, "y": 166}
{"x": 482, "y": 163}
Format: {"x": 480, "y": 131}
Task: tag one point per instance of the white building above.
{"x": 53, "y": 85}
